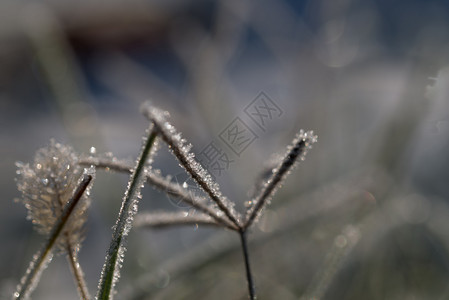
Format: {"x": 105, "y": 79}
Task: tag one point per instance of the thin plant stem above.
{"x": 162, "y": 184}
{"x": 114, "y": 257}
{"x": 28, "y": 282}
{"x": 249, "y": 276}
{"x": 298, "y": 149}
{"x": 170, "y": 136}
{"x": 162, "y": 219}
{"x": 117, "y": 166}
{"x": 273, "y": 182}
{"x": 77, "y": 272}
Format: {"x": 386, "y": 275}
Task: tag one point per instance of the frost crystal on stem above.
{"x": 164, "y": 219}
{"x": 300, "y": 145}
{"x": 44, "y": 256}
{"x": 116, "y": 252}
{"x": 47, "y": 186}
{"x": 181, "y": 149}
{"x": 164, "y": 185}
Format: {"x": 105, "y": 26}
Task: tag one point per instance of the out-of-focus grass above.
{"x": 356, "y": 72}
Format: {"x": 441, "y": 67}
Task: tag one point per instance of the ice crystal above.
{"x": 165, "y": 219}
{"x": 297, "y": 150}
{"x": 115, "y": 255}
{"x": 47, "y": 186}
{"x": 163, "y": 184}
{"x": 58, "y": 233}
{"x": 33, "y": 278}
{"x": 181, "y": 149}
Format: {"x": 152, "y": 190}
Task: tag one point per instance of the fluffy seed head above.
{"x": 47, "y": 185}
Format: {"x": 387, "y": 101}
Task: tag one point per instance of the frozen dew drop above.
{"x": 92, "y": 150}
{"x": 184, "y": 185}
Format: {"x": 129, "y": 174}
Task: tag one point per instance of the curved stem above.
{"x": 77, "y": 272}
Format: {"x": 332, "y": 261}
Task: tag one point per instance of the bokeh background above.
{"x": 365, "y": 216}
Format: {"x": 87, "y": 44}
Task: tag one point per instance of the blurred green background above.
{"x": 365, "y": 216}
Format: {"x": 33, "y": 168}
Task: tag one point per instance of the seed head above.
{"x": 47, "y": 185}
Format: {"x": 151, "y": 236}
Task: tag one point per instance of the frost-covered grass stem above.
{"x": 163, "y": 184}
{"x": 164, "y": 219}
{"x": 77, "y": 273}
{"x": 181, "y": 150}
{"x": 299, "y": 147}
{"x": 110, "y": 273}
{"x": 29, "y": 281}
